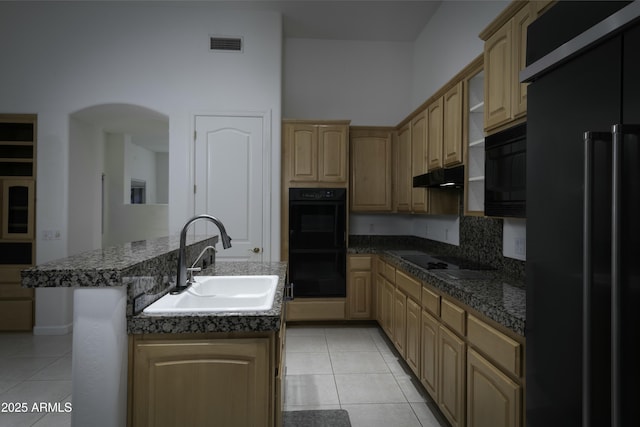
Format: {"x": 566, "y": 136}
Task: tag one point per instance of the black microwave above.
{"x": 505, "y": 173}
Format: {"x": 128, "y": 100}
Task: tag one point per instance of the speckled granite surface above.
{"x": 115, "y": 265}
{"x": 269, "y": 320}
{"x": 496, "y": 294}
{"x": 148, "y": 270}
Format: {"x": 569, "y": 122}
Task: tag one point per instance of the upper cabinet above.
{"x": 452, "y": 138}
{"x": 504, "y": 58}
{"x": 473, "y": 136}
{"x": 316, "y": 152}
{"x": 419, "y": 147}
{"x": 403, "y": 178}
{"x": 371, "y": 171}
{"x": 435, "y": 134}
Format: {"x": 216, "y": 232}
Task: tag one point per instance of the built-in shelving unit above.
{"x": 474, "y": 188}
{"x": 17, "y": 218}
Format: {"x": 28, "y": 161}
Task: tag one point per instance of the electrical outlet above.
{"x": 446, "y": 234}
{"x": 520, "y": 246}
{"x": 372, "y": 228}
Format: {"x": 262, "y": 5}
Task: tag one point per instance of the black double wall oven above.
{"x": 317, "y": 242}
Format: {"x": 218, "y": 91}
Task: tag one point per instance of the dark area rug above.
{"x": 317, "y": 418}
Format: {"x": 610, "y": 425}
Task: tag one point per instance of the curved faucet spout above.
{"x": 181, "y": 279}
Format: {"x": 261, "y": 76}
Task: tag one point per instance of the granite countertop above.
{"x": 493, "y": 293}
{"x": 110, "y": 266}
{"x": 261, "y": 321}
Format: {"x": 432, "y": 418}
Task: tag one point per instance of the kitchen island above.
{"x": 111, "y": 287}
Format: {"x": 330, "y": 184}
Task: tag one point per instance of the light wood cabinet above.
{"x": 400, "y": 321}
{"x": 404, "y": 179}
{"x": 504, "y": 58}
{"x": 473, "y": 136}
{"x": 452, "y": 137}
{"x": 412, "y": 349}
{"x": 493, "y": 399}
{"x": 191, "y": 382}
{"x": 18, "y": 136}
{"x": 316, "y": 152}
{"x": 435, "y": 134}
{"x": 419, "y": 196}
{"x": 359, "y": 287}
{"x": 371, "y": 171}
{"x": 429, "y": 353}
{"x": 387, "y": 307}
{"x": 451, "y": 376}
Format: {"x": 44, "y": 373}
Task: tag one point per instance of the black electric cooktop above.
{"x": 443, "y": 262}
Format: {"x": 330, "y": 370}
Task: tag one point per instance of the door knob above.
{"x": 255, "y": 250}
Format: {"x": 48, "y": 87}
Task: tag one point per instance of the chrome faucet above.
{"x": 181, "y": 279}
{"x": 193, "y": 268}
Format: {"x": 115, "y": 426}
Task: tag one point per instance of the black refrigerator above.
{"x": 583, "y": 217}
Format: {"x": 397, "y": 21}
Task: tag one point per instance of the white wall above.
{"x": 365, "y": 82}
{"x": 72, "y": 55}
{"x": 448, "y": 43}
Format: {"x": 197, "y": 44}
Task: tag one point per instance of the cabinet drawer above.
{"x": 408, "y": 285}
{"x": 10, "y": 275}
{"x": 431, "y": 301}
{"x": 389, "y": 272}
{"x": 16, "y": 315}
{"x": 453, "y": 316}
{"x": 15, "y": 291}
{"x": 504, "y": 351}
{"x": 359, "y": 262}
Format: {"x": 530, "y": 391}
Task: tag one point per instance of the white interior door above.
{"x": 230, "y": 182}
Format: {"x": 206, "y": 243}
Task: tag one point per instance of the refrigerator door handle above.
{"x": 589, "y": 138}
{"x": 616, "y": 166}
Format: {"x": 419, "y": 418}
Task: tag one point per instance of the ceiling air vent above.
{"x": 225, "y": 44}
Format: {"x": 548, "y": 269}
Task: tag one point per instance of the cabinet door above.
{"x": 493, "y": 399}
{"x": 404, "y": 178}
{"x": 451, "y": 380}
{"x": 371, "y": 172}
{"x": 332, "y": 153}
{"x": 418, "y": 161}
{"x": 498, "y": 77}
{"x": 380, "y": 300}
{"x": 429, "y": 353}
{"x": 191, "y": 382}
{"x": 359, "y": 294}
{"x": 387, "y": 309}
{"x": 435, "y": 135}
{"x": 302, "y": 148}
{"x": 452, "y": 145}
{"x": 18, "y": 205}
{"x": 413, "y": 336}
{"x": 400, "y": 321}
{"x": 521, "y": 21}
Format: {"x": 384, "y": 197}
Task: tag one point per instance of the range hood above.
{"x": 441, "y": 178}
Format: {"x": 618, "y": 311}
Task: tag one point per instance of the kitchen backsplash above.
{"x": 480, "y": 240}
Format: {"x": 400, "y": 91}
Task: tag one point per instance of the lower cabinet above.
{"x": 471, "y": 369}
{"x": 359, "y": 287}
{"x": 400, "y": 321}
{"x": 493, "y": 399}
{"x": 451, "y": 378}
{"x": 429, "y": 353}
{"x": 192, "y": 382}
{"x": 412, "y": 352}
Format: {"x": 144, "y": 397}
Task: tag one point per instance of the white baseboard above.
{"x": 53, "y": 330}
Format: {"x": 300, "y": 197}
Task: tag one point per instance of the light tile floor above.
{"x": 357, "y": 369}
{"x": 35, "y": 369}
{"x": 328, "y": 367}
